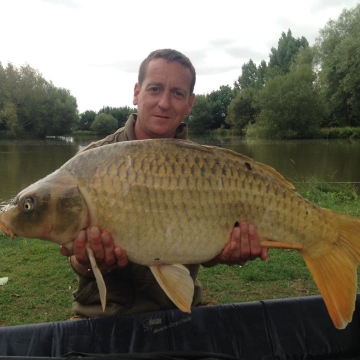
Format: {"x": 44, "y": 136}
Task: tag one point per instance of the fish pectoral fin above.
{"x": 98, "y": 276}
{"x": 279, "y": 245}
{"x": 177, "y": 284}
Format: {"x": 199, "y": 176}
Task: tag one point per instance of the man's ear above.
{"x": 136, "y": 93}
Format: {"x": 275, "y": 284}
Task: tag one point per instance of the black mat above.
{"x": 297, "y": 328}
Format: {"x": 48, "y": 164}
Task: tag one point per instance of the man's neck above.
{"x": 141, "y": 135}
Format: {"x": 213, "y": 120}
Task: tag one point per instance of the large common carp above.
{"x": 172, "y": 202}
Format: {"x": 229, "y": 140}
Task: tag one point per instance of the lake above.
{"x": 23, "y": 162}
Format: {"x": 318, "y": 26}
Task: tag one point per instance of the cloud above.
{"x": 65, "y": 3}
{"x": 125, "y": 65}
{"x": 324, "y": 5}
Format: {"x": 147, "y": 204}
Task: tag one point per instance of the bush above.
{"x": 104, "y": 124}
{"x": 341, "y": 133}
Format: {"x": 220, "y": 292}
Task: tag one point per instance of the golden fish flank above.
{"x": 170, "y": 202}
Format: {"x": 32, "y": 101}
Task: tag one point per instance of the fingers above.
{"x": 244, "y": 245}
{"x": 64, "y": 251}
{"x": 107, "y": 256}
{"x": 121, "y": 257}
{"x": 79, "y": 249}
{"x": 96, "y": 243}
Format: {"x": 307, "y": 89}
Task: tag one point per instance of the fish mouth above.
{"x": 6, "y": 230}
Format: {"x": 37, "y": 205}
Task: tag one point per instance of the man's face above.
{"x": 163, "y": 99}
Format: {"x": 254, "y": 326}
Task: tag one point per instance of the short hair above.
{"x": 169, "y": 55}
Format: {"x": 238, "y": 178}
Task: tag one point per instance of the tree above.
{"x": 338, "y": 57}
{"x": 280, "y": 59}
{"x": 241, "y": 111}
{"x": 219, "y": 102}
{"x": 289, "y": 107}
{"x": 9, "y": 117}
{"x": 40, "y": 107}
{"x": 121, "y": 114}
{"x": 64, "y": 115}
{"x": 252, "y": 76}
{"x": 104, "y": 124}
{"x": 86, "y": 119}
{"x": 201, "y": 118}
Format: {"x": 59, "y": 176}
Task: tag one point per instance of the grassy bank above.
{"x": 41, "y": 282}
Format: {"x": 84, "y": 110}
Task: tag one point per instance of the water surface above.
{"x": 23, "y": 162}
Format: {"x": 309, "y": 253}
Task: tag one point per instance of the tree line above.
{"x": 300, "y": 90}
{"x": 29, "y": 103}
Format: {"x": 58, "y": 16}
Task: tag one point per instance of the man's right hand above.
{"x": 108, "y": 257}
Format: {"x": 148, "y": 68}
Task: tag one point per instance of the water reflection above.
{"x": 23, "y": 162}
{"x": 67, "y": 139}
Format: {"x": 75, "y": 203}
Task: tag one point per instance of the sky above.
{"x": 94, "y": 48}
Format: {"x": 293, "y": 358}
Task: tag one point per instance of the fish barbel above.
{"x": 171, "y": 202}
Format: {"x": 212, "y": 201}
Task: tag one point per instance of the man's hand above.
{"x": 108, "y": 257}
{"x": 244, "y": 245}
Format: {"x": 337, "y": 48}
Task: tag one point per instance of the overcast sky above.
{"x": 94, "y": 47}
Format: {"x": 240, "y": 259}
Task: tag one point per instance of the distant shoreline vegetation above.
{"x": 325, "y": 133}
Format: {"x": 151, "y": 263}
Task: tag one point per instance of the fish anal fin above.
{"x": 177, "y": 284}
{"x": 336, "y": 278}
{"x": 270, "y": 244}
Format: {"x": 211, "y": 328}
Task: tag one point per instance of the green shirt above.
{"x": 134, "y": 288}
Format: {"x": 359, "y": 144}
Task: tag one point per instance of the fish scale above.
{"x": 171, "y": 202}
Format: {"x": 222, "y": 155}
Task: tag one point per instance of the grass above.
{"x": 41, "y": 282}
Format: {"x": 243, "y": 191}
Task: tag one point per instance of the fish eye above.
{"x": 28, "y": 204}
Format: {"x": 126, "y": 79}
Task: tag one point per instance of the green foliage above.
{"x": 252, "y": 76}
{"x": 210, "y": 111}
{"x": 201, "y": 117}
{"x": 289, "y": 107}
{"x": 282, "y": 57}
{"x": 220, "y": 100}
{"x": 338, "y": 57}
{"x": 8, "y": 116}
{"x": 104, "y": 124}
{"x": 29, "y": 103}
{"x": 121, "y": 114}
{"x": 340, "y": 133}
{"x": 241, "y": 111}
{"x": 86, "y": 119}
{"x": 338, "y": 197}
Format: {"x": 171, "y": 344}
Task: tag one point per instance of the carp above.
{"x": 170, "y": 202}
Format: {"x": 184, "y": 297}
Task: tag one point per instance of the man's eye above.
{"x": 154, "y": 89}
{"x": 178, "y": 94}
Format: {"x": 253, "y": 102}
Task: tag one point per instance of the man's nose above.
{"x": 164, "y": 101}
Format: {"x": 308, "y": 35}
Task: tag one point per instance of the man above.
{"x": 164, "y": 95}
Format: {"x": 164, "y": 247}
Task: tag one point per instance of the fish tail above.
{"x": 335, "y": 271}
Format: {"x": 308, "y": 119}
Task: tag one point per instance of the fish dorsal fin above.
{"x": 242, "y": 159}
{"x": 177, "y": 284}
